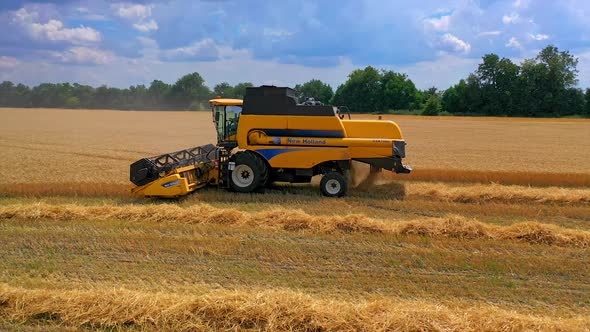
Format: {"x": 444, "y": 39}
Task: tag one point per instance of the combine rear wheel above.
{"x": 249, "y": 174}
{"x": 333, "y": 185}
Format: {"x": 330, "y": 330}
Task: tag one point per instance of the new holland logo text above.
{"x": 311, "y": 141}
{"x": 171, "y": 183}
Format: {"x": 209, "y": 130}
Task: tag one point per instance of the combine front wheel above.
{"x": 249, "y": 173}
{"x": 333, "y": 185}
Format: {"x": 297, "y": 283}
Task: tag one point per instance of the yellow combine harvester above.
{"x": 268, "y": 137}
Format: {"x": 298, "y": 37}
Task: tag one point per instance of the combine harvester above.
{"x": 268, "y": 138}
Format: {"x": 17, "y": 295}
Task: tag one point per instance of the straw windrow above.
{"x": 454, "y": 226}
{"x": 265, "y": 310}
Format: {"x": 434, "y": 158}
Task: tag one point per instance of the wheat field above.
{"x": 490, "y": 233}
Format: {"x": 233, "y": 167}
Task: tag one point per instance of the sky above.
{"x": 435, "y": 42}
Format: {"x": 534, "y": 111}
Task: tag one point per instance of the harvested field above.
{"x": 295, "y": 220}
{"x": 491, "y": 232}
{"x": 99, "y": 144}
{"x": 268, "y": 310}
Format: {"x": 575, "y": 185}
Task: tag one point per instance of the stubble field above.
{"x": 491, "y": 232}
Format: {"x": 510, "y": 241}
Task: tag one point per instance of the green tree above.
{"x": 432, "y": 106}
{"x": 50, "y": 95}
{"x": 14, "y": 95}
{"x": 22, "y": 96}
{"x": 454, "y": 98}
{"x": 240, "y": 89}
{"x": 224, "y": 90}
{"x": 72, "y": 102}
{"x": 190, "y": 88}
{"x": 464, "y": 98}
{"x": 532, "y": 92}
{"x": 560, "y": 74}
{"x": 137, "y": 97}
{"x": 498, "y": 81}
{"x": 546, "y": 80}
{"x": 7, "y": 92}
{"x": 361, "y": 92}
{"x": 587, "y": 95}
{"x": 573, "y": 102}
{"x": 159, "y": 93}
{"x": 314, "y": 89}
{"x": 399, "y": 92}
{"x": 84, "y": 94}
{"x": 542, "y": 86}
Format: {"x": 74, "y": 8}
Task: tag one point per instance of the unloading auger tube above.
{"x": 268, "y": 137}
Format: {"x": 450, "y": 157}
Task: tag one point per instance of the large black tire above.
{"x": 249, "y": 174}
{"x": 333, "y": 185}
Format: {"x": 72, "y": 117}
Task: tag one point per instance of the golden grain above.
{"x": 53, "y": 145}
{"x": 266, "y": 310}
{"x": 293, "y": 220}
{"x": 491, "y": 162}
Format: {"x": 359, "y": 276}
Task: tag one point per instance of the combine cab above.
{"x": 268, "y": 137}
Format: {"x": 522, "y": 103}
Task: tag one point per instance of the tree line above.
{"x": 544, "y": 86}
{"x": 188, "y": 93}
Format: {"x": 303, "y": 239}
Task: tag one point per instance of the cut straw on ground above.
{"x": 496, "y": 193}
{"x": 376, "y": 187}
{"x": 265, "y": 310}
{"x": 295, "y": 220}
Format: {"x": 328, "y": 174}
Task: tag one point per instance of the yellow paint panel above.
{"x": 372, "y": 129}
{"x": 251, "y": 122}
{"x": 225, "y": 102}
{"x": 364, "y": 139}
{"x": 315, "y": 123}
{"x": 156, "y": 188}
{"x": 368, "y": 152}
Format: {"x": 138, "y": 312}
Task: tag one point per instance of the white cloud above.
{"x": 205, "y": 49}
{"x": 489, "y": 33}
{"x": 511, "y": 19}
{"x": 277, "y": 33}
{"x": 54, "y": 30}
{"x": 441, "y": 72}
{"x": 439, "y": 24}
{"x": 8, "y": 62}
{"x": 138, "y": 14}
{"x": 456, "y": 44}
{"x": 22, "y": 16}
{"x": 132, "y": 11}
{"x": 539, "y": 36}
{"x": 445, "y": 70}
{"x": 147, "y": 42}
{"x": 521, "y": 4}
{"x": 514, "y": 43}
{"x": 146, "y": 26}
{"x": 84, "y": 55}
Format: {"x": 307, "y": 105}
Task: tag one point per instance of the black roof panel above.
{"x": 272, "y": 100}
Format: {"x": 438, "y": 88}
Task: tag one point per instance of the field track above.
{"x": 490, "y": 232}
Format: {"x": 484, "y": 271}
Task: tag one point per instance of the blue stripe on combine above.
{"x": 270, "y": 153}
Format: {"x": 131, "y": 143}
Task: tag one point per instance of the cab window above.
{"x": 232, "y": 117}
{"x": 219, "y": 117}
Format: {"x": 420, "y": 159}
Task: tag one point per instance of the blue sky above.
{"x": 278, "y": 42}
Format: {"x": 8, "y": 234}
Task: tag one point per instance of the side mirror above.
{"x": 216, "y": 116}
